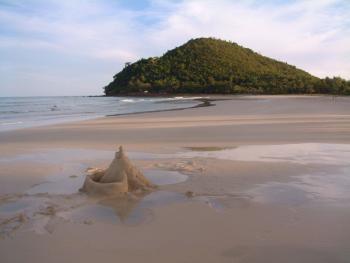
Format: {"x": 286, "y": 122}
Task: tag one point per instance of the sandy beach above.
{"x": 249, "y": 179}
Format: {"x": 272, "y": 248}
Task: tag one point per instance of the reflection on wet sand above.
{"x": 37, "y": 212}
{"x": 300, "y": 153}
{"x": 322, "y": 188}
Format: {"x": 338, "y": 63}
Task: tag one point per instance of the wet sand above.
{"x": 252, "y": 179}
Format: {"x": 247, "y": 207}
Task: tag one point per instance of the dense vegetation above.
{"x": 208, "y": 65}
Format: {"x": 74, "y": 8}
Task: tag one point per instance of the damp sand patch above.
{"x": 301, "y": 153}
{"x": 43, "y": 213}
{"x": 35, "y": 213}
{"x": 207, "y": 148}
{"x": 58, "y": 185}
{"x": 320, "y": 188}
{"x": 130, "y": 210}
{"x": 327, "y": 185}
{"x": 165, "y": 177}
{"x": 86, "y": 157}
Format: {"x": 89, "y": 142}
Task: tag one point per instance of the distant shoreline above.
{"x": 223, "y": 96}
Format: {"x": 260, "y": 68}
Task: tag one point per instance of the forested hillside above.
{"x": 208, "y": 65}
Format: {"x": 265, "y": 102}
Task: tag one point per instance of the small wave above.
{"x": 12, "y": 123}
{"x": 188, "y": 98}
{"x": 16, "y": 112}
{"x": 196, "y": 98}
{"x": 128, "y": 100}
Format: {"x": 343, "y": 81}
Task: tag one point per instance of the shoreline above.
{"x": 53, "y": 120}
{"x": 204, "y": 102}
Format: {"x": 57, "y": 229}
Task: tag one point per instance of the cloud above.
{"x": 97, "y": 37}
{"x": 313, "y": 35}
{"x": 83, "y": 29}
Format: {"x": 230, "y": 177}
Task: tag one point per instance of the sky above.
{"x": 74, "y": 47}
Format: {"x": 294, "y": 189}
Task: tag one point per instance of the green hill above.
{"x": 208, "y": 65}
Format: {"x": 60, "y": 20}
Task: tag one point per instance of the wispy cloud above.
{"x": 95, "y": 38}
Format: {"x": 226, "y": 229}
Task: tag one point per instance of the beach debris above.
{"x": 188, "y": 166}
{"x": 50, "y": 210}
{"x": 54, "y": 108}
{"x": 190, "y": 194}
{"x": 10, "y": 225}
{"x": 120, "y": 177}
{"x": 88, "y": 222}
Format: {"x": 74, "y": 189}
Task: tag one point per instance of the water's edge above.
{"x": 19, "y": 113}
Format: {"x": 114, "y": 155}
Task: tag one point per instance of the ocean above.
{"x": 23, "y": 112}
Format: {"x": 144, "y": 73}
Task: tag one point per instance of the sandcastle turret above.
{"x": 120, "y": 177}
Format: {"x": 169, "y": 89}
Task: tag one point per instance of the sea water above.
{"x": 21, "y": 112}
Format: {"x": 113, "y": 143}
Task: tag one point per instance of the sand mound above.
{"x": 119, "y": 178}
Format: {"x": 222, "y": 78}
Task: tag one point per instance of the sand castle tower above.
{"x": 119, "y": 178}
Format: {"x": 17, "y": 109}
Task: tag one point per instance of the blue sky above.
{"x": 74, "y": 47}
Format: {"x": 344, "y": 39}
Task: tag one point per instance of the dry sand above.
{"x": 228, "y": 210}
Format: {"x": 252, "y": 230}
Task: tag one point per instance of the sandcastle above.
{"x": 119, "y": 178}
